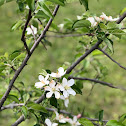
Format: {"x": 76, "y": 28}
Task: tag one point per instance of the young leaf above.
{"x": 109, "y": 43}
{"x": 81, "y": 23}
{"x": 114, "y": 123}
{"x": 16, "y": 25}
{"x": 85, "y": 122}
{"x": 24, "y": 111}
{"x": 45, "y": 9}
{"x": 101, "y": 115}
{"x": 13, "y": 98}
{"x": 31, "y": 4}
{"x": 53, "y": 102}
{"x": 85, "y": 3}
{"x": 60, "y": 2}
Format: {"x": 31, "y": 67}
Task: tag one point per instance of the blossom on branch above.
{"x": 31, "y": 30}
{"x": 43, "y": 81}
{"x": 66, "y": 87}
{"x": 74, "y": 121}
{"x": 53, "y": 89}
{"x": 92, "y": 21}
{"x": 59, "y": 74}
{"x": 49, "y": 123}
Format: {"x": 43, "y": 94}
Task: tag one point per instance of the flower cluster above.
{"x": 95, "y": 20}
{"x": 60, "y": 90}
{"x": 61, "y": 119}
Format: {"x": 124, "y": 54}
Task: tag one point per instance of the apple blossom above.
{"x": 49, "y": 123}
{"x": 59, "y": 74}
{"x": 74, "y": 121}
{"x": 66, "y": 87}
{"x": 43, "y": 81}
{"x": 31, "y": 30}
{"x": 92, "y": 21}
{"x": 53, "y": 89}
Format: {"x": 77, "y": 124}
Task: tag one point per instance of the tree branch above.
{"x": 83, "y": 56}
{"x": 24, "y": 30}
{"x": 112, "y": 59}
{"x": 97, "y": 81}
{"x": 27, "y": 58}
{"x": 121, "y": 18}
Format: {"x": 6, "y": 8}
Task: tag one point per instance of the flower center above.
{"x": 66, "y": 87}
{"x": 53, "y": 89}
{"x": 42, "y": 82}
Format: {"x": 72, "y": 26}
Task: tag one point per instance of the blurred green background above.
{"x": 112, "y": 101}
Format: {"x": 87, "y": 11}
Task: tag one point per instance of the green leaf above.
{"x": 77, "y": 89}
{"x": 111, "y": 25}
{"x": 102, "y": 26}
{"x": 81, "y": 23}
{"x": 14, "y": 54}
{"x": 59, "y": 2}
{"x": 41, "y": 14}
{"x": 37, "y": 107}
{"x": 16, "y": 25}
{"x": 43, "y": 72}
{"x": 85, "y": 3}
{"x": 21, "y": 5}
{"x": 85, "y": 122}
{"x": 114, "y": 123}
{"x": 24, "y": 111}
{"x": 53, "y": 102}
{"x": 45, "y": 9}
{"x": 101, "y": 115}
{"x": 31, "y": 4}
{"x": 2, "y": 67}
{"x": 96, "y": 52}
{"x": 13, "y": 98}
{"x": 109, "y": 43}
{"x": 26, "y": 97}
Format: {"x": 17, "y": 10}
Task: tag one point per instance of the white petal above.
{"x": 57, "y": 94}
{"x": 62, "y": 120}
{"x": 61, "y": 70}
{"x": 53, "y": 74}
{"x": 71, "y": 82}
{"x": 66, "y": 102}
{"x": 41, "y": 78}
{"x": 65, "y": 93}
{"x": 29, "y": 31}
{"x": 75, "y": 118}
{"x": 47, "y": 82}
{"x": 62, "y": 97}
{"x": 64, "y": 81}
{"x": 49, "y": 94}
{"x": 48, "y": 122}
{"x": 61, "y": 87}
{"x": 52, "y": 84}
{"x": 34, "y": 29}
{"x": 71, "y": 91}
{"x": 39, "y": 85}
{"x": 47, "y": 88}
{"x": 47, "y": 76}
{"x": 55, "y": 124}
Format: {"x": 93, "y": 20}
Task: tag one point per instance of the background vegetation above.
{"x": 112, "y": 101}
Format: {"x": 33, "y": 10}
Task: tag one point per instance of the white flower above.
{"x": 79, "y": 17}
{"x": 92, "y": 21}
{"x": 66, "y": 87}
{"x": 98, "y": 19}
{"x": 52, "y": 90}
{"x": 43, "y": 81}
{"x": 59, "y": 74}
{"x": 61, "y": 26}
{"x": 74, "y": 122}
{"x": 66, "y": 100}
{"x": 49, "y": 123}
{"x": 27, "y": 7}
{"x": 31, "y": 30}
{"x": 108, "y": 18}
{"x": 60, "y": 118}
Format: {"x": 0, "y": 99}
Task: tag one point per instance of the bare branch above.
{"x": 24, "y": 30}
{"x": 97, "y": 81}
{"x": 68, "y": 35}
{"x": 83, "y": 56}
{"x": 27, "y": 58}
{"x": 121, "y": 18}
{"x": 112, "y": 59}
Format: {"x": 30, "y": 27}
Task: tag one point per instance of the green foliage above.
{"x": 85, "y": 122}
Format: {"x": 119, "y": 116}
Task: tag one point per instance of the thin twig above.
{"x": 24, "y": 30}
{"x": 26, "y": 59}
{"x": 121, "y": 18}
{"x": 97, "y": 81}
{"x": 68, "y": 35}
{"x": 112, "y": 59}
{"x": 33, "y": 33}
{"x": 43, "y": 45}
